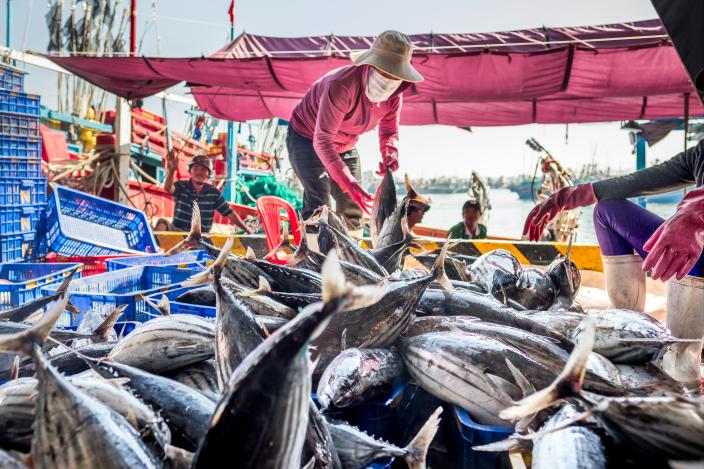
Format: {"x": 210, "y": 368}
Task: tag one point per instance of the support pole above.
{"x": 8, "y": 23}
{"x": 133, "y": 28}
{"x": 640, "y": 163}
{"x": 230, "y": 190}
{"x": 123, "y": 147}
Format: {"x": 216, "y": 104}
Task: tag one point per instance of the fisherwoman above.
{"x": 336, "y": 110}
{"x": 634, "y": 240}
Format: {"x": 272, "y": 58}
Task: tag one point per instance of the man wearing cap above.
{"x": 196, "y": 189}
{"x": 336, "y": 110}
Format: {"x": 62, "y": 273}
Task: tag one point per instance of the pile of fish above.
{"x": 350, "y": 326}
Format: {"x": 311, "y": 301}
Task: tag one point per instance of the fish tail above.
{"x": 438, "y": 271}
{"x": 412, "y": 194}
{"x": 264, "y": 288}
{"x": 417, "y": 449}
{"x": 193, "y": 237}
{"x": 284, "y": 244}
{"x": 214, "y": 270}
{"x": 568, "y": 383}
{"x": 15, "y": 370}
{"x": 30, "y": 340}
{"x": 103, "y": 330}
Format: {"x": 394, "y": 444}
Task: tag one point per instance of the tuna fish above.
{"x": 185, "y": 410}
{"x": 69, "y": 362}
{"x": 627, "y": 337}
{"x": 533, "y": 290}
{"x": 384, "y": 205}
{"x": 392, "y": 232}
{"x": 8, "y": 461}
{"x": 561, "y": 321}
{"x": 98, "y": 436}
{"x": 262, "y": 418}
{"x": 17, "y": 413}
{"x": 287, "y": 278}
{"x": 357, "y": 375}
{"x": 496, "y": 272}
{"x": 199, "y": 376}
{"x": 576, "y": 447}
{"x": 565, "y": 274}
{"x": 655, "y": 429}
{"x": 203, "y": 296}
{"x": 357, "y": 449}
{"x": 347, "y": 248}
{"x": 166, "y": 343}
{"x": 318, "y": 445}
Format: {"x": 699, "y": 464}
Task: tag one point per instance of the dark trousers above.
{"x": 318, "y": 185}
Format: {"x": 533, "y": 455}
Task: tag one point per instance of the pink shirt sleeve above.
{"x": 388, "y": 127}
{"x": 333, "y": 105}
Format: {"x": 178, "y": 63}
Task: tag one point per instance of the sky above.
{"x": 195, "y": 27}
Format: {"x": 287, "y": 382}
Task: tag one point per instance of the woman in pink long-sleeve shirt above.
{"x": 338, "y": 108}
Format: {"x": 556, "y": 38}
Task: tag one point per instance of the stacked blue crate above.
{"x": 22, "y": 189}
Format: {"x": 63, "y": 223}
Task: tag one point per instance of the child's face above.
{"x": 161, "y": 226}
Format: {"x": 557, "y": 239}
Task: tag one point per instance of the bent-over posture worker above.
{"x": 634, "y": 241}
{"x": 197, "y": 189}
{"x": 336, "y": 110}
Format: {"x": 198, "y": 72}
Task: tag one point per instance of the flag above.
{"x": 231, "y": 12}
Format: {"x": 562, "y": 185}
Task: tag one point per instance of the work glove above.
{"x": 342, "y": 175}
{"x": 389, "y": 161}
{"x": 675, "y": 247}
{"x": 566, "y": 198}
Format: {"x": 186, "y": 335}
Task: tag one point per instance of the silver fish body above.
{"x": 358, "y": 375}
{"x": 495, "y": 271}
{"x": 470, "y": 370}
{"x": 624, "y": 336}
{"x": 185, "y": 410}
{"x": 564, "y": 322}
{"x": 349, "y": 250}
{"x": 199, "y": 376}
{"x": 384, "y": 205}
{"x": 533, "y": 290}
{"x": 17, "y": 401}
{"x": 167, "y": 343}
{"x": 565, "y": 275}
{"x": 575, "y": 447}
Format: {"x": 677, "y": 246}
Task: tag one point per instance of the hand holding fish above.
{"x": 361, "y": 197}
{"x": 389, "y": 161}
{"x": 566, "y": 198}
{"x": 675, "y": 247}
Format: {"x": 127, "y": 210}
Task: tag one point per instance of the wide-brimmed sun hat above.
{"x": 390, "y": 53}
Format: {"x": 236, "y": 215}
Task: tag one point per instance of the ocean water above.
{"x": 508, "y": 213}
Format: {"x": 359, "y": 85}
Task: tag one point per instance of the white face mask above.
{"x": 379, "y": 88}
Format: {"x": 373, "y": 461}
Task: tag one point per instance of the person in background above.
{"x": 469, "y": 227}
{"x": 162, "y": 224}
{"x": 634, "y": 241}
{"x": 415, "y": 212}
{"x": 336, "y": 110}
{"x": 197, "y": 189}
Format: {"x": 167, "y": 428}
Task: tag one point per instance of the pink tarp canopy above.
{"x": 551, "y": 75}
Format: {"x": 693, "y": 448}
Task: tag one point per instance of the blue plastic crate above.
{"x": 15, "y": 247}
{"x": 371, "y": 417}
{"x": 79, "y": 224}
{"x": 105, "y": 292}
{"x": 18, "y": 191}
{"x": 469, "y": 434}
{"x": 24, "y": 168}
{"x": 18, "y": 102}
{"x": 19, "y": 125}
{"x": 22, "y": 283}
{"x": 183, "y": 260}
{"x": 20, "y": 147}
{"x": 122, "y": 328}
{"x": 11, "y": 79}
{"x": 16, "y": 219}
{"x": 181, "y": 308}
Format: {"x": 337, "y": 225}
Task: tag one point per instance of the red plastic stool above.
{"x": 269, "y": 208}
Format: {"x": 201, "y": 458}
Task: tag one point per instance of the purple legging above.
{"x": 623, "y": 227}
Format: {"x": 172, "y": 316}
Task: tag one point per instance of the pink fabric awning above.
{"x": 558, "y": 75}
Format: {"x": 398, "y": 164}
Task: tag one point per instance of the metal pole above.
{"x": 640, "y": 163}
{"x": 8, "y": 22}
{"x": 133, "y": 28}
{"x": 230, "y": 192}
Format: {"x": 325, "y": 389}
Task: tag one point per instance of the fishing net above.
{"x": 268, "y": 185}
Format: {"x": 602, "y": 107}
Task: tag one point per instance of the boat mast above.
{"x": 231, "y": 155}
{"x": 133, "y": 28}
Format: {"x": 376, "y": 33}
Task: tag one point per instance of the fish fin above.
{"x": 438, "y": 270}
{"x": 412, "y": 194}
{"x": 264, "y": 288}
{"x": 21, "y": 313}
{"x": 207, "y": 276}
{"x": 164, "y": 305}
{"x": 310, "y": 464}
{"x": 193, "y": 236}
{"x": 568, "y": 383}
{"x": 417, "y": 449}
{"x": 284, "y": 244}
{"x": 513, "y": 304}
{"x": 343, "y": 340}
{"x": 26, "y": 341}
{"x": 527, "y": 389}
{"x": 336, "y": 288}
{"x": 15, "y": 370}
{"x": 510, "y": 443}
{"x": 250, "y": 253}
{"x": 178, "y": 458}
{"x": 103, "y": 330}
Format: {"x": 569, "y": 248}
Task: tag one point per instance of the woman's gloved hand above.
{"x": 566, "y": 198}
{"x": 676, "y": 246}
{"x": 390, "y": 161}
